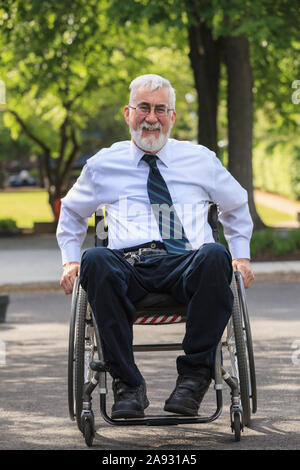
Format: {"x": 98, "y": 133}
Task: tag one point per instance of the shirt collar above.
{"x": 137, "y": 154}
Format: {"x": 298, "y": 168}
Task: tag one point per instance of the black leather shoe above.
{"x": 188, "y": 394}
{"x": 130, "y": 402}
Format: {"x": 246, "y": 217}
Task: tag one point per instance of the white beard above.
{"x": 150, "y": 143}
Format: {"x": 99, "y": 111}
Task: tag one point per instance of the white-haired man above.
{"x": 156, "y": 192}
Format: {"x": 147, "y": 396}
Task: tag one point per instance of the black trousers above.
{"x": 200, "y": 278}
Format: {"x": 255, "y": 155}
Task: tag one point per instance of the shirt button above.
{"x": 153, "y": 245}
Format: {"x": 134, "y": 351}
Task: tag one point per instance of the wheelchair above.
{"x": 87, "y": 369}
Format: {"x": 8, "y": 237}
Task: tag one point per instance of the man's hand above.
{"x": 243, "y": 265}
{"x": 70, "y": 272}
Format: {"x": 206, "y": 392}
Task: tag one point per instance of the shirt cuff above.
{"x": 239, "y": 248}
{"x": 70, "y": 253}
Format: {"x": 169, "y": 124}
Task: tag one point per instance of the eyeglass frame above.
{"x": 153, "y": 106}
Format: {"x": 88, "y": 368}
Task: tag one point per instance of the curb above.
{"x": 277, "y": 276}
{"x": 25, "y": 287}
{"x": 53, "y": 286}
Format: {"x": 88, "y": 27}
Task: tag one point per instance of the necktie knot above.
{"x": 150, "y": 159}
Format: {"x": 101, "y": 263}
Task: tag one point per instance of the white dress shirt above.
{"x": 116, "y": 178}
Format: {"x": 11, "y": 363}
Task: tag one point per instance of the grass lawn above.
{"x": 272, "y": 216}
{"x": 26, "y": 207}
{"x": 32, "y": 206}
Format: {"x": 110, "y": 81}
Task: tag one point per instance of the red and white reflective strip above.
{"x": 157, "y": 319}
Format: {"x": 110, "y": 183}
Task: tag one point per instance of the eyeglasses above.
{"x": 144, "y": 109}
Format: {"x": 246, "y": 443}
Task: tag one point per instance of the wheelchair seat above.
{"x": 161, "y": 308}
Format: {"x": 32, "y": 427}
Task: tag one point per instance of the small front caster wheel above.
{"x": 237, "y": 426}
{"x": 88, "y": 429}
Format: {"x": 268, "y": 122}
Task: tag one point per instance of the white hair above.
{"x": 153, "y": 82}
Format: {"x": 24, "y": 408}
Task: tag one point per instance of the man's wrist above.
{"x": 241, "y": 261}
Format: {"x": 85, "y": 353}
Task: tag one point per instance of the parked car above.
{"x": 22, "y": 179}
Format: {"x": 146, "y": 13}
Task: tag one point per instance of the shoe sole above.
{"x": 127, "y": 414}
{"x": 130, "y": 413}
{"x": 180, "y": 410}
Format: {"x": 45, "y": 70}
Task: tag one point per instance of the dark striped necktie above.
{"x": 170, "y": 227}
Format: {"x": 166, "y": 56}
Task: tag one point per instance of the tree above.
{"x": 205, "y": 57}
{"x": 240, "y": 116}
{"x": 245, "y": 26}
{"x": 60, "y": 61}
{"x": 223, "y": 31}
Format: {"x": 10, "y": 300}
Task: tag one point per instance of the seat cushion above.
{"x": 159, "y": 303}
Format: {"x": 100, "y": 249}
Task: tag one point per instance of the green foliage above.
{"x": 61, "y": 63}
{"x": 271, "y": 241}
{"x": 275, "y": 241}
{"x": 11, "y": 149}
{"x": 272, "y": 28}
{"x": 67, "y": 67}
{"x": 8, "y": 225}
{"x": 275, "y": 72}
{"x": 276, "y": 167}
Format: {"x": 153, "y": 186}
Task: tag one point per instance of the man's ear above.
{"x": 173, "y": 117}
{"x": 126, "y": 114}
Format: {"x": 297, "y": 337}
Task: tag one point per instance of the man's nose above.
{"x": 151, "y": 117}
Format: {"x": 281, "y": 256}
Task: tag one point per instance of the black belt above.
{"x": 154, "y": 245}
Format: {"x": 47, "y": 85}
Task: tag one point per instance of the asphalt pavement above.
{"x": 33, "y": 393}
{"x": 34, "y": 349}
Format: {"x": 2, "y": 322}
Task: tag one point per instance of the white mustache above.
{"x": 151, "y": 127}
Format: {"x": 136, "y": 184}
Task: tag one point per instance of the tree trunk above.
{"x": 205, "y": 61}
{"x": 57, "y": 177}
{"x": 240, "y": 116}
{"x": 41, "y": 171}
{"x": 2, "y": 176}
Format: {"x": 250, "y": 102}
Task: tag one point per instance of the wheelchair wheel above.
{"x": 242, "y": 369}
{"x": 71, "y": 350}
{"x": 82, "y": 346}
{"x": 249, "y": 344}
{"x": 79, "y": 350}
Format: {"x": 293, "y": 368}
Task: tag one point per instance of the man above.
{"x": 156, "y": 192}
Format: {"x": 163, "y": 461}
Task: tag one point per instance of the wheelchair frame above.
{"x": 85, "y": 373}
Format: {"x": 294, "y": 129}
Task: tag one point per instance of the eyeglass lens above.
{"x": 145, "y": 108}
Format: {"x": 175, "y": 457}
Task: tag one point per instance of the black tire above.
{"x": 89, "y": 429}
{"x": 79, "y": 349}
{"x": 237, "y": 427}
{"x": 71, "y": 358}
{"x": 241, "y": 352}
{"x": 243, "y": 305}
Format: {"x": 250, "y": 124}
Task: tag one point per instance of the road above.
{"x": 34, "y": 409}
